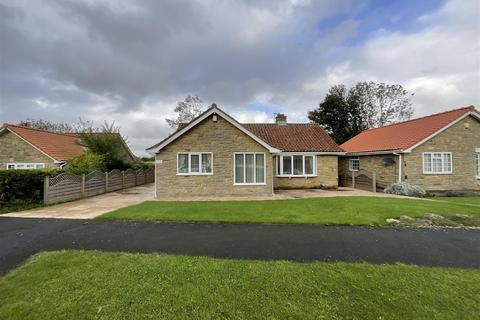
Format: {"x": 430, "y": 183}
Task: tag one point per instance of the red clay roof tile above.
{"x": 294, "y": 137}
{"x": 402, "y": 135}
{"x": 59, "y": 146}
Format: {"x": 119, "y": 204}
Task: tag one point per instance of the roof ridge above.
{"x": 470, "y": 107}
{"x": 68, "y": 134}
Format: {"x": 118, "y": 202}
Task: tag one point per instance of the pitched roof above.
{"x": 291, "y": 137}
{"x": 404, "y": 135}
{"x": 300, "y": 137}
{"x": 58, "y": 146}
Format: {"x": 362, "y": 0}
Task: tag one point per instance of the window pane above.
{"x": 478, "y": 165}
{"x": 239, "y": 168}
{"x": 447, "y": 162}
{"x": 195, "y": 165}
{"x": 260, "y": 168}
{"x": 297, "y": 165}
{"x": 437, "y": 164}
{"x": 206, "y": 163}
{"x": 427, "y": 162}
{"x": 287, "y": 165}
{"x": 354, "y": 164}
{"x": 183, "y": 163}
{"x": 250, "y": 169}
{"x": 308, "y": 164}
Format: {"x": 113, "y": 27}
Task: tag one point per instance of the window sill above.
{"x": 249, "y": 184}
{"x": 437, "y": 173}
{"x": 296, "y": 176}
{"x": 195, "y": 174}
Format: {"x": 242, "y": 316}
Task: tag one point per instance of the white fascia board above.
{"x": 374, "y": 153}
{"x": 203, "y": 117}
{"x": 471, "y": 113}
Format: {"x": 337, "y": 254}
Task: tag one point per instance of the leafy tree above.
{"x": 86, "y": 163}
{"x": 187, "y": 110}
{"x": 109, "y": 143}
{"x": 344, "y": 114}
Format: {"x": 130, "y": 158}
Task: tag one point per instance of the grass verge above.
{"x": 329, "y": 211}
{"x": 88, "y": 285}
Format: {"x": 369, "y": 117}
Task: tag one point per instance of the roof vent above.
{"x": 280, "y": 119}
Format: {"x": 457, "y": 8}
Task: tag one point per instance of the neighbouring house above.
{"x": 440, "y": 152}
{"x": 214, "y": 155}
{"x": 23, "y": 147}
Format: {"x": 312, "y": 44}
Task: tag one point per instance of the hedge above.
{"x": 23, "y": 186}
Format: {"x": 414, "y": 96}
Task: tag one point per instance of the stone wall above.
{"x": 327, "y": 176}
{"x": 386, "y": 174}
{"x": 223, "y": 140}
{"x": 461, "y": 139}
{"x": 14, "y": 149}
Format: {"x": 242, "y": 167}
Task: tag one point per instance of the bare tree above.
{"x": 63, "y": 127}
{"x": 187, "y": 110}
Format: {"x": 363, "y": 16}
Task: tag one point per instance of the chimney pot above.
{"x": 280, "y": 119}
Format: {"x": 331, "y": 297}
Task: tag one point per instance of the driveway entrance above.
{"x": 90, "y": 208}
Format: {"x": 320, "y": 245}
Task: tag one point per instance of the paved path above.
{"x": 20, "y": 238}
{"x": 90, "y": 208}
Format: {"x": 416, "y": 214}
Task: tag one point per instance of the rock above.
{"x": 392, "y": 221}
{"x": 406, "y": 218}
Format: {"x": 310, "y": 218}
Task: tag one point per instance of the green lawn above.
{"x": 93, "y": 285}
{"x": 464, "y": 200}
{"x": 338, "y": 210}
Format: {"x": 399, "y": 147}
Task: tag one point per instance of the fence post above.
{"x": 106, "y": 182}
{"x": 374, "y": 181}
{"x": 123, "y": 179}
{"x": 46, "y": 185}
{"x": 353, "y": 179}
{"x": 83, "y": 185}
{"x": 136, "y": 178}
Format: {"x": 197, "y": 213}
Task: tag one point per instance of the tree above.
{"x": 109, "y": 143}
{"x": 60, "y": 126}
{"x": 382, "y": 104}
{"x": 86, "y": 163}
{"x": 344, "y": 114}
{"x": 187, "y": 110}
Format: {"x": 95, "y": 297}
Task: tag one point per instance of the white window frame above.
{"x": 431, "y": 163}
{"x": 190, "y": 173}
{"x": 350, "y": 164}
{"x": 477, "y": 162}
{"x": 255, "y": 169}
{"x": 24, "y": 165}
{"x": 280, "y": 173}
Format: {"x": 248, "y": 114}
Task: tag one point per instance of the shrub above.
{"x": 86, "y": 163}
{"x": 405, "y": 189}
{"x": 22, "y": 186}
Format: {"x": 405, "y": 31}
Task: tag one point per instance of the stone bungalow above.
{"x": 440, "y": 152}
{"x": 23, "y": 147}
{"x": 214, "y": 155}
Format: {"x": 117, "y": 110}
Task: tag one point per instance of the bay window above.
{"x": 194, "y": 163}
{"x": 296, "y": 165}
{"x": 437, "y": 163}
{"x": 249, "y": 168}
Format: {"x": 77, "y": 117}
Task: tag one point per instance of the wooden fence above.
{"x": 361, "y": 179}
{"x": 67, "y": 186}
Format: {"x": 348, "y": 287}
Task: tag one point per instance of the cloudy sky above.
{"x": 131, "y": 61}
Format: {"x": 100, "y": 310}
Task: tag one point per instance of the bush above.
{"x": 22, "y": 186}
{"x": 405, "y": 189}
{"x": 86, "y": 163}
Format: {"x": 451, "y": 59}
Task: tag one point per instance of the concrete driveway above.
{"x": 90, "y": 208}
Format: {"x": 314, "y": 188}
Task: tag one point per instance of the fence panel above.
{"x": 95, "y": 184}
{"x": 115, "y": 180}
{"x": 130, "y": 179}
{"x": 64, "y": 187}
{"x": 150, "y": 175}
{"x": 363, "y": 180}
{"x": 141, "y": 177}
